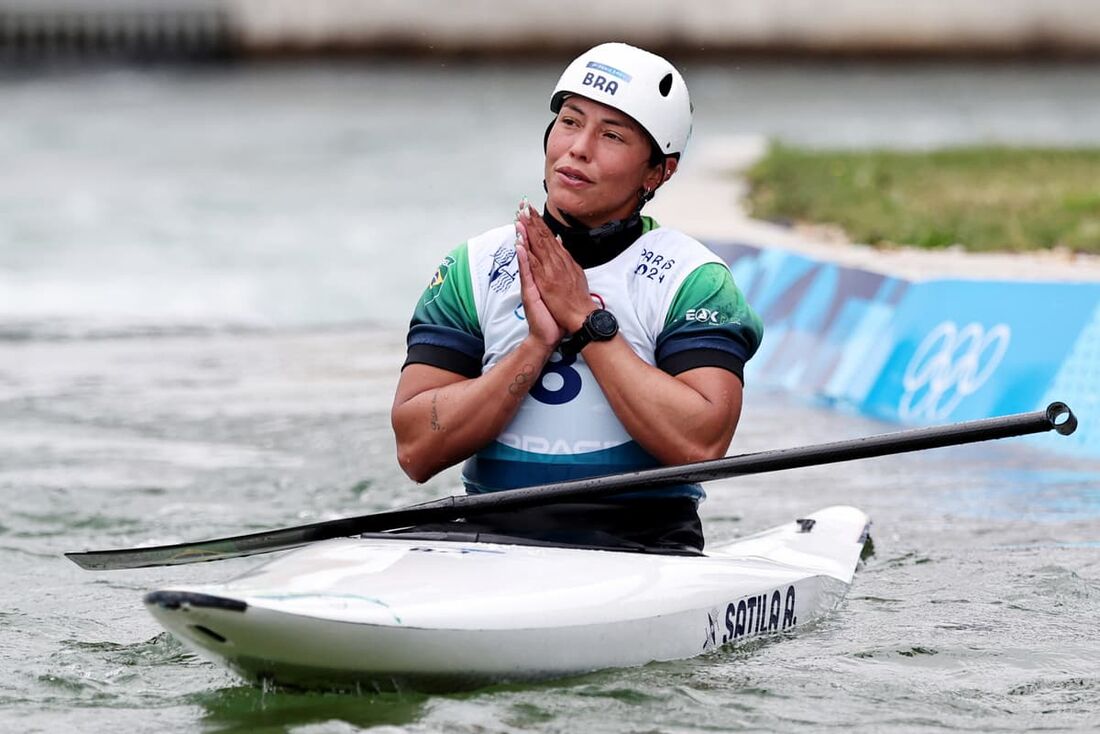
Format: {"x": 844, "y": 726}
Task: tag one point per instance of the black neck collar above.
{"x": 592, "y": 247}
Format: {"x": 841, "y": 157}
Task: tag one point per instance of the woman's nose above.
{"x": 582, "y": 146}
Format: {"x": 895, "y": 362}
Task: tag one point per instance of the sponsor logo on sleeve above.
{"x": 704, "y": 316}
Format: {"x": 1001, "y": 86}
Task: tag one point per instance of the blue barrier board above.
{"x": 926, "y": 352}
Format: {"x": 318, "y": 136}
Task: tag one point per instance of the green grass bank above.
{"x": 982, "y": 198}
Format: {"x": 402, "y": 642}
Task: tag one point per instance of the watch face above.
{"x": 603, "y": 324}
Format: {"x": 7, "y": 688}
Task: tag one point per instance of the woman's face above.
{"x": 597, "y": 162}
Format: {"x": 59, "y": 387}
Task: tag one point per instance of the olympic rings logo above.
{"x": 950, "y": 364}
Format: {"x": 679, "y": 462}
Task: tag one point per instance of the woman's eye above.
{"x": 613, "y": 136}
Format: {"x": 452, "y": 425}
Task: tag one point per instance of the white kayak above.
{"x": 448, "y": 614}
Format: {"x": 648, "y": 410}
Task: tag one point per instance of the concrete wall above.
{"x": 848, "y": 26}
{"x": 257, "y": 27}
{"x": 32, "y": 30}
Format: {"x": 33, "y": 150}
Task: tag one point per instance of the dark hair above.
{"x": 656, "y": 155}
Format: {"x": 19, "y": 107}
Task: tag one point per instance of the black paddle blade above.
{"x": 267, "y": 541}
{"x": 1056, "y": 417}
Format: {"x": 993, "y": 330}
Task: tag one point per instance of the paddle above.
{"x": 1057, "y": 417}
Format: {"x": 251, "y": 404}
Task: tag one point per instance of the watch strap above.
{"x": 575, "y": 342}
{"x": 585, "y": 335}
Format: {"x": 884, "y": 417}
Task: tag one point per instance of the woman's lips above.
{"x": 572, "y": 177}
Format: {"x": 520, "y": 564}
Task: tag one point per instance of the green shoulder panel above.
{"x": 649, "y": 224}
{"x": 709, "y": 302}
{"x": 449, "y": 297}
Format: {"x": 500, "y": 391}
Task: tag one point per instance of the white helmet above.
{"x": 637, "y": 83}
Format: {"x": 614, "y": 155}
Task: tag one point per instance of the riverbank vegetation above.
{"x": 982, "y": 198}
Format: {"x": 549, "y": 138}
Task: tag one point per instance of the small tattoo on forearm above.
{"x": 519, "y": 383}
{"x": 436, "y": 426}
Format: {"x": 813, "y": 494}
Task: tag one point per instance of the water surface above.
{"x": 204, "y": 280}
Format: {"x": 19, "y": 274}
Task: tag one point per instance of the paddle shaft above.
{"x": 1057, "y": 417}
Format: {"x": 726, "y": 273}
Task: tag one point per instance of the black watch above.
{"x": 599, "y": 326}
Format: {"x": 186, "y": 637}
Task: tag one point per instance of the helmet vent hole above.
{"x": 666, "y": 85}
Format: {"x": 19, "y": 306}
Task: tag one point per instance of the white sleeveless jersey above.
{"x": 664, "y": 298}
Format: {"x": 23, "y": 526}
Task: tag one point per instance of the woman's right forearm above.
{"x": 439, "y": 425}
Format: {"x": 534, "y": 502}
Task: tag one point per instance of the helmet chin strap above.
{"x": 597, "y": 234}
{"x": 590, "y": 246}
{"x": 611, "y": 228}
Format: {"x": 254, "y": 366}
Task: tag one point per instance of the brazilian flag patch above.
{"x": 438, "y": 279}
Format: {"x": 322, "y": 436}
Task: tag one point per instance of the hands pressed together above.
{"x": 554, "y": 289}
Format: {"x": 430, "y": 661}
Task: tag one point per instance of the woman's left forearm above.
{"x": 677, "y": 419}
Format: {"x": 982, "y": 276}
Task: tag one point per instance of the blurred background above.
{"x": 217, "y": 215}
{"x": 207, "y": 163}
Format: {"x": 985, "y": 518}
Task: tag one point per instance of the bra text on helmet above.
{"x": 600, "y": 82}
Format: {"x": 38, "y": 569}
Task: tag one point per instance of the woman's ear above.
{"x": 670, "y": 167}
{"x": 659, "y": 174}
